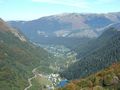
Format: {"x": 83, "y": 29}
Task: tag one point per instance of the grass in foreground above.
{"x": 40, "y": 83}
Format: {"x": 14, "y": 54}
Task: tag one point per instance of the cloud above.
{"x": 78, "y": 3}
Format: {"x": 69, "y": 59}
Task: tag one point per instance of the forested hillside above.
{"x": 103, "y": 52}
{"x": 94, "y": 44}
{"x": 17, "y": 58}
{"x": 108, "y": 79}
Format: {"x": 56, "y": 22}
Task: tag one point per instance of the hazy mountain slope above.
{"x": 102, "y": 56}
{"x": 67, "y": 25}
{"x": 92, "y": 45}
{"x": 67, "y": 42}
{"x": 17, "y": 58}
{"x": 64, "y": 27}
{"x": 108, "y": 79}
{"x": 37, "y": 36}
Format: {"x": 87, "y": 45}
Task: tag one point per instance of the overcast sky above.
{"x": 33, "y": 9}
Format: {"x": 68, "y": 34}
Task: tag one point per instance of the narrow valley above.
{"x": 52, "y": 80}
{"x": 59, "y": 45}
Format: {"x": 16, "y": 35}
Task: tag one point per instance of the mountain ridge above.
{"x": 71, "y": 25}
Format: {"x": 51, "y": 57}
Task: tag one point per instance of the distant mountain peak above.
{"x": 68, "y": 25}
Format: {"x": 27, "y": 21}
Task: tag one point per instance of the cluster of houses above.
{"x": 56, "y": 80}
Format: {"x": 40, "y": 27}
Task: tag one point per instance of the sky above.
{"x": 33, "y": 9}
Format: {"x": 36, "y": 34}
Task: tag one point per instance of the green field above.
{"x": 40, "y": 83}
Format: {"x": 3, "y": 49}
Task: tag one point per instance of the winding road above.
{"x": 30, "y": 79}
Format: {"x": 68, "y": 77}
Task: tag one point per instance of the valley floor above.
{"x": 49, "y": 81}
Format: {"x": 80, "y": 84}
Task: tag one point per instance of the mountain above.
{"x": 17, "y": 58}
{"x": 66, "y": 26}
{"x": 99, "y": 54}
{"x": 108, "y": 79}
